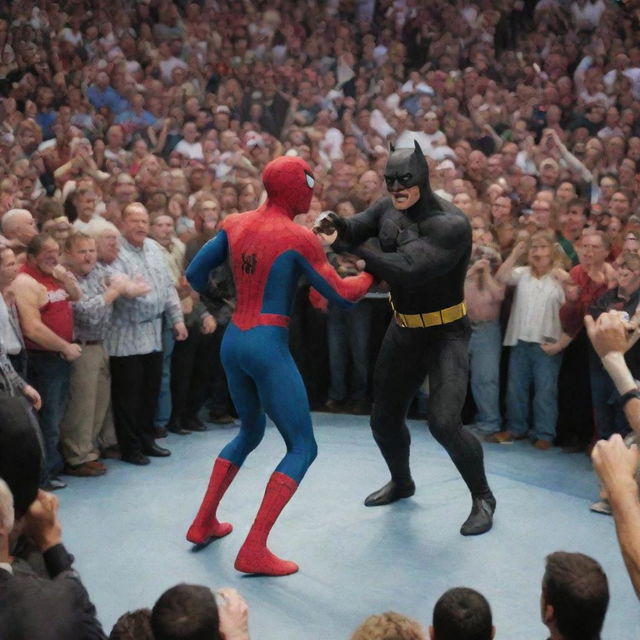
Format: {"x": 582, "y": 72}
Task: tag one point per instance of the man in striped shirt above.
{"x": 87, "y": 426}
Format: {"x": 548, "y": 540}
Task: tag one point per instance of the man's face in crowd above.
{"x": 8, "y": 267}
{"x": 102, "y": 80}
{"x": 542, "y": 213}
{"x": 228, "y": 198}
{"x": 26, "y": 139}
{"x": 48, "y": 257}
{"x": 346, "y": 177}
{"x": 107, "y": 246}
{"x": 431, "y": 122}
{"x": 463, "y": 202}
{"x": 501, "y": 209}
{"x": 86, "y": 206}
{"x": 25, "y": 228}
{"x": 494, "y": 166}
{"x": 477, "y": 162}
{"x": 619, "y": 205}
{"x": 210, "y": 214}
{"x": 369, "y": 183}
{"x": 125, "y": 192}
{"x": 565, "y": 192}
{"x": 628, "y": 279}
{"x": 162, "y": 229}
{"x": 592, "y": 251}
{"x": 607, "y": 188}
{"x": 549, "y": 173}
{"x": 135, "y": 226}
{"x": 190, "y": 132}
{"x": 115, "y": 137}
{"x": 575, "y": 217}
{"x": 82, "y": 256}
{"x": 509, "y": 155}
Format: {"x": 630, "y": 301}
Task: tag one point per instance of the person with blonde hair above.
{"x": 389, "y": 626}
{"x": 533, "y": 322}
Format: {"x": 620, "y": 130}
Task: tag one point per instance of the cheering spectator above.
{"x": 134, "y": 340}
{"x": 608, "y": 415}
{"x": 10, "y": 332}
{"x": 587, "y": 281}
{"x": 18, "y": 228}
{"x": 59, "y": 607}
{"x": 44, "y": 291}
{"x": 575, "y": 596}
{"x": 533, "y": 322}
{"x": 389, "y": 626}
{"x": 191, "y": 611}
{"x": 87, "y": 426}
{"x": 462, "y": 614}
{"x": 483, "y": 297}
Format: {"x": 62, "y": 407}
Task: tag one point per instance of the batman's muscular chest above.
{"x": 397, "y": 229}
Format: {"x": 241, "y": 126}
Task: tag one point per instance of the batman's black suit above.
{"x": 422, "y": 253}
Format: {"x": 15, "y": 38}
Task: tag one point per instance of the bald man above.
{"x": 18, "y": 227}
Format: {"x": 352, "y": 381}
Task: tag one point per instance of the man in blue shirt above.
{"x": 102, "y": 94}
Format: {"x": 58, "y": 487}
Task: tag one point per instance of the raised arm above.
{"x": 610, "y": 341}
{"x": 503, "y": 274}
{"x": 616, "y": 466}
{"x": 324, "y": 278}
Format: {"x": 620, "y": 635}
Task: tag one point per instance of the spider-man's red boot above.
{"x": 206, "y": 527}
{"x": 254, "y": 557}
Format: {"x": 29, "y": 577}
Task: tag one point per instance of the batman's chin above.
{"x": 402, "y": 200}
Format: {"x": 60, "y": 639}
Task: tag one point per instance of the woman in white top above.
{"x": 534, "y": 320}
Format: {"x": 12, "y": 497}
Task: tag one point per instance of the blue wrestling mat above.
{"x": 127, "y": 530}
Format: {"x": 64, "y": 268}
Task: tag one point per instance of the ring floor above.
{"x": 127, "y": 530}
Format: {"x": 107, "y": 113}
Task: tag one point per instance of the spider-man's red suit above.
{"x": 268, "y": 253}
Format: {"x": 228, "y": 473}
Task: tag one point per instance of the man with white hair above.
{"x": 87, "y": 427}
{"x": 107, "y": 237}
{"x": 18, "y": 228}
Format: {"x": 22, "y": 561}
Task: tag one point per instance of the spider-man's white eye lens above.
{"x": 310, "y": 181}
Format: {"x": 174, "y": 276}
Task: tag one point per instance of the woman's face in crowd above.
{"x": 565, "y": 192}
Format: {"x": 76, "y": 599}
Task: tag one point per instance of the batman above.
{"x": 420, "y": 245}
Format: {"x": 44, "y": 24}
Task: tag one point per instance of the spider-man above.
{"x": 268, "y": 253}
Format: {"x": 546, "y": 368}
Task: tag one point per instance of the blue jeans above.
{"x": 50, "y": 375}
{"x": 485, "y": 347}
{"x": 608, "y": 414}
{"x": 530, "y": 365}
{"x": 348, "y": 335}
{"x": 163, "y": 407}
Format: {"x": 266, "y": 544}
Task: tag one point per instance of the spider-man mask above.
{"x": 289, "y": 183}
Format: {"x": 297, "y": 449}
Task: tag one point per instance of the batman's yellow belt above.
{"x": 430, "y": 319}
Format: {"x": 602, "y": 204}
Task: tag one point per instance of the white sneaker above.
{"x": 601, "y": 506}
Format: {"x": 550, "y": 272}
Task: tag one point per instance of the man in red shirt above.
{"x": 44, "y": 290}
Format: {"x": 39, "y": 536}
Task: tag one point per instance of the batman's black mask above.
{"x": 408, "y": 168}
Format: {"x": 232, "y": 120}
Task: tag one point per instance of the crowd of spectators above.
{"x": 128, "y": 131}
{"x": 526, "y": 111}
